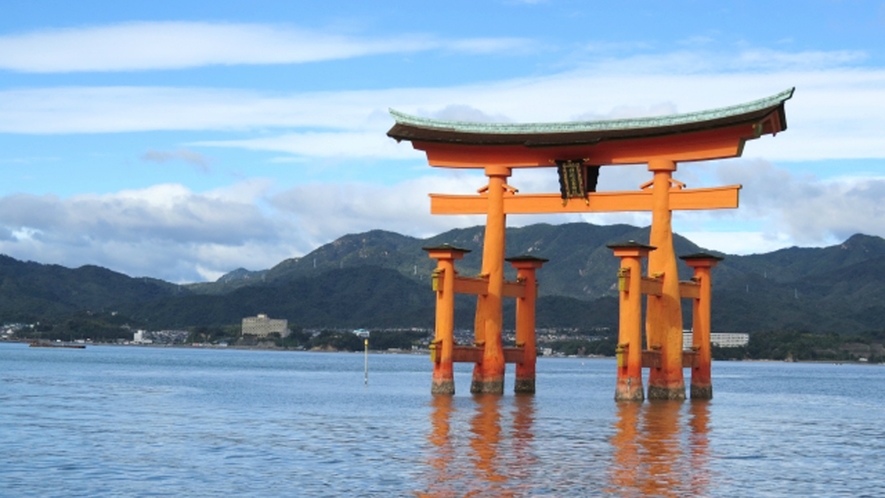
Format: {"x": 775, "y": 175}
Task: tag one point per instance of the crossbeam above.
{"x": 473, "y": 354}
{"x": 479, "y": 286}
{"x": 597, "y": 202}
{"x": 654, "y": 286}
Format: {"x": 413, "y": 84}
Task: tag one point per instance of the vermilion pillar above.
{"x": 488, "y": 375}
{"x": 629, "y": 350}
{"x": 444, "y": 335}
{"x": 525, "y": 321}
{"x": 701, "y": 379}
{"x": 664, "y": 316}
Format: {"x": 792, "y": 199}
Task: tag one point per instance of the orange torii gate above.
{"x": 578, "y": 150}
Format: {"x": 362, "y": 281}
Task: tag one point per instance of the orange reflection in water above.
{"x": 655, "y": 453}
{"x": 489, "y": 456}
{"x": 699, "y": 444}
{"x": 485, "y": 427}
{"x": 439, "y": 434}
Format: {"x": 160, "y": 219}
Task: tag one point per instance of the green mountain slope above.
{"x": 29, "y": 289}
{"x": 381, "y": 279}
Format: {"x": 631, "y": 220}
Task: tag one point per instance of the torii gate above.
{"x": 577, "y": 150}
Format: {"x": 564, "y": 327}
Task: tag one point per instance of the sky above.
{"x": 182, "y": 140}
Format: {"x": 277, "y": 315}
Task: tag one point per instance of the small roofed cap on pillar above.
{"x": 631, "y": 244}
{"x": 446, "y": 247}
{"x": 701, "y": 256}
{"x": 527, "y": 258}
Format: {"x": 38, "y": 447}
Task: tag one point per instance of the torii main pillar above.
{"x": 578, "y": 151}
{"x": 663, "y": 318}
{"x": 488, "y": 375}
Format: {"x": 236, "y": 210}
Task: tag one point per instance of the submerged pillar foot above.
{"x": 525, "y": 386}
{"x": 487, "y": 387}
{"x": 701, "y": 392}
{"x": 629, "y": 391}
{"x": 660, "y": 392}
{"x": 443, "y": 387}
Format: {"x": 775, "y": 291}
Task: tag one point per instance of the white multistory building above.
{"x": 262, "y": 326}
{"x": 139, "y": 337}
{"x": 720, "y": 339}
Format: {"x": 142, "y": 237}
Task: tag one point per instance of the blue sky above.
{"x": 181, "y": 140}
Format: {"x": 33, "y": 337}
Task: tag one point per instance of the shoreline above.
{"x": 415, "y": 352}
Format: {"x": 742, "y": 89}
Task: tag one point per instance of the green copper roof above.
{"x": 417, "y": 128}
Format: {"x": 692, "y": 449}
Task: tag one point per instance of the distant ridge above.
{"x": 381, "y": 279}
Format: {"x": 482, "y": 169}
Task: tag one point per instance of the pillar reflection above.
{"x": 439, "y": 482}
{"x": 487, "y": 451}
{"x": 485, "y": 429}
{"x": 626, "y": 450}
{"x": 659, "y": 439}
{"x": 699, "y": 445}
{"x": 658, "y": 451}
{"x": 524, "y": 460}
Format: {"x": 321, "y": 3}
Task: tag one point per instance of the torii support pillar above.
{"x": 663, "y": 320}
{"x": 444, "y": 336}
{"x": 701, "y": 378}
{"x": 525, "y": 321}
{"x": 629, "y": 350}
{"x": 488, "y": 375}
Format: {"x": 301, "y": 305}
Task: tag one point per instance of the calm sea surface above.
{"x": 132, "y": 421}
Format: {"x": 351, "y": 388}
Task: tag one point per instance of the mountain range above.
{"x": 380, "y": 279}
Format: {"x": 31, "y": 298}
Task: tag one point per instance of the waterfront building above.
{"x": 719, "y": 339}
{"x": 262, "y": 326}
{"x": 139, "y": 337}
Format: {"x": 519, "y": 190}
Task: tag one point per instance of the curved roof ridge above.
{"x": 590, "y": 126}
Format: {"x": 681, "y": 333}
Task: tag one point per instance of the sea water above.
{"x": 151, "y": 421}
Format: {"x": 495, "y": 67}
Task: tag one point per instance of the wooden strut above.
{"x": 444, "y": 352}
{"x": 632, "y": 286}
{"x": 597, "y": 202}
{"x": 478, "y": 286}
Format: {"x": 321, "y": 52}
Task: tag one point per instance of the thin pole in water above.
{"x": 367, "y": 362}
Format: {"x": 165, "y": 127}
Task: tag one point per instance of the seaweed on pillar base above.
{"x": 669, "y": 393}
{"x": 524, "y": 386}
{"x": 701, "y": 392}
{"x": 442, "y": 387}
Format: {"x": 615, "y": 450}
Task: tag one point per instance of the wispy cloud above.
{"x": 139, "y": 46}
{"x": 369, "y": 144}
{"x": 836, "y": 113}
{"x": 188, "y": 156}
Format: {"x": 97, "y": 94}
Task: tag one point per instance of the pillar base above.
{"x": 443, "y": 387}
{"x": 629, "y": 391}
{"x": 487, "y": 387}
{"x": 673, "y": 393}
{"x": 701, "y": 392}
{"x": 525, "y": 386}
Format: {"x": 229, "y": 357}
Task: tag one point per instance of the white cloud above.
{"x": 171, "y": 232}
{"x": 325, "y": 211}
{"x": 162, "y": 231}
{"x": 804, "y": 209}
{"x": 140, "y": 46}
